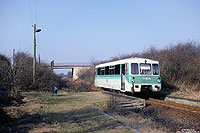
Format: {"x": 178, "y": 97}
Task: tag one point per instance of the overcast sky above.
{"x": 82, "y": 30}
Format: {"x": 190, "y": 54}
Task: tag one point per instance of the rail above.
{"x": 179, "y": 107}
{"x": 192, "y": 110}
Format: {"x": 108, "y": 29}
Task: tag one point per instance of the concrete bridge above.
{"x": 76, "y": 67}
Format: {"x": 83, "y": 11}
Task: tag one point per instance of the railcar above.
{"x": 129, "y": 75}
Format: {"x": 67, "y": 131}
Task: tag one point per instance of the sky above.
{"x": 86, "y": 30}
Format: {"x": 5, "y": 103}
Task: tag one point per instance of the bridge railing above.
{"x": 73, "y": 64}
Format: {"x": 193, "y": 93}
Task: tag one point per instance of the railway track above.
{"x": 175, "y": 106}
{"x": 195, "y": 111}
{"x": 126, "y": 102}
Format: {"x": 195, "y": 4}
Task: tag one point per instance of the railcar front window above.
{"x": 134, "y": 68}
{"x": 156, "y": 70}
{"x": 145, "y": 69}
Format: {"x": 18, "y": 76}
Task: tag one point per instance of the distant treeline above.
{"x": 17, "y": 75}
{"x": 179, "y": 64}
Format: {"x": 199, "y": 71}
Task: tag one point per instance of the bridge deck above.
{"x": 69, "y": 65}
{"x": 65, "y": 67}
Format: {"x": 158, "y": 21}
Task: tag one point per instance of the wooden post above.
{"x": 34, "y": 56}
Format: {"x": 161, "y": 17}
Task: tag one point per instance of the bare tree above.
{"x": 69, "y": 74}
{"x": 5, "y": 73}
{"x": 23, "y": 71}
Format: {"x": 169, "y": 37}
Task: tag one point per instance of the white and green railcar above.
{"x": 129, "y": 75}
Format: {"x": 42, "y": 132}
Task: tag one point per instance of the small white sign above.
{"x": 146, "y": 78}
{"x": 145, "y": 67}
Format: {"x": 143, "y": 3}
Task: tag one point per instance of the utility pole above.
{"x": 34, "y": 55}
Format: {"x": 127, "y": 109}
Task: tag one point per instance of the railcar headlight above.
{"x": 133, "y": 80}
{"x": 159, "y": 80}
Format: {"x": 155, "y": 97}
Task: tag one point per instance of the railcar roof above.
{"x": 129, "y": 60}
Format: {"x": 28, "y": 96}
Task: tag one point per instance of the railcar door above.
{"x": 123, "y": 77}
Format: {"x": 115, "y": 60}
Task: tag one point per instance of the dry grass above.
{"x": 71, "y": 113}
{"x": 44, "y": 128}
{"x": 142, "y": 124}
{"x": 187, "y": 91}
{"x": 29, "y": 107}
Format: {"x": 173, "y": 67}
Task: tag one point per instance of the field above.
{"x": 74, "y": 112}
{"x": 64, "y": 112}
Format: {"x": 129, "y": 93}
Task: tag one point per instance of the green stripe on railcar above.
{"x": 144, "y": 79}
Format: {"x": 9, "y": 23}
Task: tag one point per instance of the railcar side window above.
{"x": 112, "y": 70}
{"x": 98, "y": 71}
{"x": 134, "y": 68}
{"x": 107, "y": 72}
{"x": 156, "y": 69}
{"x": 117, "y": 69}
{"x": 145, "y": 69}
{"x": 102, "y": 71}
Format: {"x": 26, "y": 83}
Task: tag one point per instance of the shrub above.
{"x": 5, "y": 73}
{"x": 45, "y": 77}
{"x": 179, "y": 63}
{"x": 23, "y": 71}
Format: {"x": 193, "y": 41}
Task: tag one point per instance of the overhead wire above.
{"x": 31, "y": 16}
{"x": 35, "y": 12}
{"x": 30, "y": 12}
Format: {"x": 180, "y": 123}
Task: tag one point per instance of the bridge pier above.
{"x": 77, "y": 70}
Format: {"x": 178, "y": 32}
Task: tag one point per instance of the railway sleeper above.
{"x": 131, "y": 107}
{"x": 130, "y": 102}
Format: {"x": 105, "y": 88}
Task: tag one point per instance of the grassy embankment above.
{"x": 72, "y": 113}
